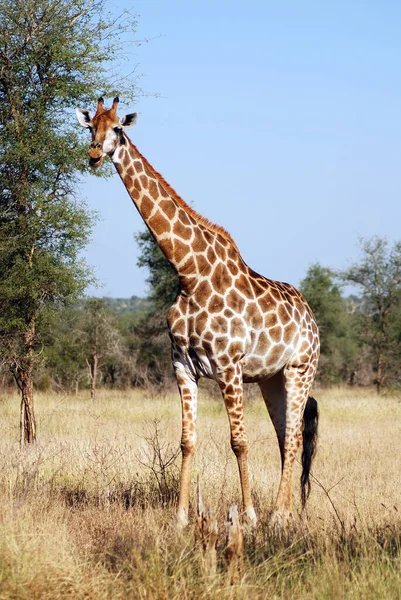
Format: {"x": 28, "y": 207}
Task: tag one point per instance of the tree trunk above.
{"x": 27, "y": 413}
{"x": 23, "y": 374}
{"x": 380, "y": 356}
{"x": 93, "y": 369}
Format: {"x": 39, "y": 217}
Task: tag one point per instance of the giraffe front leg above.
{"x": 188, "y": 388}
{"x": 230, "y": 382}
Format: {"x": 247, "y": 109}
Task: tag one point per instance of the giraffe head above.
{"x": 106, "y": 129}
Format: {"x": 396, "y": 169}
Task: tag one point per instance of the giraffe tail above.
{"x": 309, "y": 438}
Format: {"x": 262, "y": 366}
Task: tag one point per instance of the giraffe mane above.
{"x": 188, "y": 209}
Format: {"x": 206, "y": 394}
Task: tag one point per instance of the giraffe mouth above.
{"x": 95, "y": 162}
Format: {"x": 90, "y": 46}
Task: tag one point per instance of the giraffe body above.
{"x": 227, "y": 323}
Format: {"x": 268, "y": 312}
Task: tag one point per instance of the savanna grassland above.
{"x": 89, "y": 511}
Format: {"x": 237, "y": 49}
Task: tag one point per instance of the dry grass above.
{"x": 89, "y": 512}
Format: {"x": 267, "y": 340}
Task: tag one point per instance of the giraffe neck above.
{"x": 190, "y": 242}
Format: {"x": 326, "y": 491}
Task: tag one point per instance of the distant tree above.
{"x": 52, "y": 55}
{"x": 154, "y": 345}
{"x": 378, "y": 277}
{"x": 338, "y": 340}
{"x": 162, "y": 279}
{"x": 100, "y": 339}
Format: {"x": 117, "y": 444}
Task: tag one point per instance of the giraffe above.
{"x": 228, "y": 323}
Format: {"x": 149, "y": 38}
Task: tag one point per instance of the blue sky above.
{"x": 279, "y": 121}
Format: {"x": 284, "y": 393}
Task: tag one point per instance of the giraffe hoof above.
{"x": 281, "y": 522}
{"x": 251, "y": 517}
{"x": 182, "y": 519}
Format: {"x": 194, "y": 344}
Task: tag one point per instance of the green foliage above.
{"x": 162, "y": 279}
{"x": 151, "y": 331}
{"x": 335, "y": 321}
{"x": 52, "y": 56}
{"x": 377, "y": 276}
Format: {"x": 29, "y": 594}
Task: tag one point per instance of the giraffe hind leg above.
{"x": 286, "y": 399}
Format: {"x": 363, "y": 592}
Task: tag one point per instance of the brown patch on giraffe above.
{"x": 283, "y": 314}
{"x": 125, "y": 159}
{"x": 304, "y": 346}
{"x": 138, "y": 166}
{"x": 242, "y": 284}
{"x": 158, "y": 223}
{"x": 178, "y": 328}
{"x": 275, "y": 333}
{"x": 173, "y": 314}
{"x": 208, "y": 348}
{"x": 289, "y": 332}
{"x": 144, "y": 181}
{"x": 276, "y": 293}
{"x": 200, "y": 322}
{"x": 229, "y": 401}
{"x": 119, "y": 168}
{"x": 263, "y": 343}
{"x": 131, "y": 171}
{"x": 219, "y": 325}
{"x": 162, "y": 191}
{"x": 135, "y": 194}
{"x": 267, "y": 302}
{"x": 254, "y": 365}
{"x": 183, "y": 217}
{"x": 208, "y": 236}
{"x": 275, "y": 354}
{"x": 237, "y": 328}
{"x": 167, "y": 246}
{"x": 180, "y": 250}
{"x": 220, "y": 251}
{"x": 153, "y": 191}
{"x": 199, "y": 243}
{"x": 203, "y": 292}
{"x": 137, "y": 184}
{"x": 220, "y": 344}
{"x": 167, "y": 206}
{"x": 233, "y": 252}
{"x": 204, "y": 267}
{"x": 208, "y": 336}
{"x": 253, "y": 315}
{"x": 236, "y": 349}
{"x": 232, "y": 267}
{"x": 271, "y": 319}
{"x": 189, "y": 267}
{"x": 259, "y": 286}
{"x": 146, "y": 207}
{"x": 224, "y": 360}
{"x": 128, "y": 182}
{"x": 216, "y": 304}
{"x": 211, "y": 255}
{"x": 220, "y": 278}
{"x": 182, "y": 231}
{"x": 235, "y": 301}
{"x": 180, "y": 340}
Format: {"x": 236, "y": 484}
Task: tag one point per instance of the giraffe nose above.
{"x": 96, "y": 145}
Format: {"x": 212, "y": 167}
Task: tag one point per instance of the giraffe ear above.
{"x": 84, "y": 117}
{"x": 129, "y": 120}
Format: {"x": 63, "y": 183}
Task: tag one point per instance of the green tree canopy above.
{"x": 53, "y": 55}
{"x": 338, "y": 342}
{"x": 377, "y": 276}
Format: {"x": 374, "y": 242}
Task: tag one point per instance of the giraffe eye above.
{"x": 119, "y": 132}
